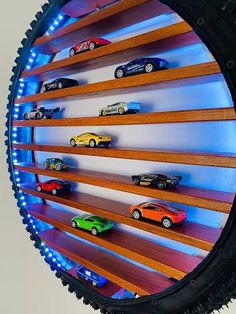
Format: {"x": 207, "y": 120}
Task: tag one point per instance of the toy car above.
{"x": 120, "y": 108}
{"x": 89, "y": 275}
{"x": 55, "y": 164}
{"x": 124, "y": 294}
{"x": 59, "y": 84}
{"x": 54, "y": 186}
{"x": 40, "y": 113}
{"x": 94, "y": 224}
{"x": 142, "y": 65}
{"x": 159, "y": 181}
{"x": 91, "y": 140}
{"x": 160, "y": 212}
{"x": 89, "y": 44}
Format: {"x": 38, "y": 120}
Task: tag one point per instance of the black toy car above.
{"x": 159, "y": 181}
{"x": 59, "y": 84}
{"x": 40, "y": 113}
{"x": 142, "y": 65}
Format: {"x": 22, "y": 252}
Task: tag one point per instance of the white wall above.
{"x": 27, "y": 285}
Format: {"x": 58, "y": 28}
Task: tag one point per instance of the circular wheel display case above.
{"x": 170, "y": 249}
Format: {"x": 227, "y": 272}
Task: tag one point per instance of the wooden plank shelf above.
{"x": 166, "y": 38}
{"x": 108, "y": 20}
{"x": 226, "y": 160}
{"x": 108, "y": 290}
{"x": 126, "y": 84}
{"x": 193, "y": 234}
{"x": 183, "y": 116}
{"x": 123, "y": 273}
{"x": 121, "y": 242}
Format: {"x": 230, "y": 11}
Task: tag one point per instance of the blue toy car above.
{"x": 142, "y": 65}
{"x": 124, "y": 294}
{"x": 89, "y": 275}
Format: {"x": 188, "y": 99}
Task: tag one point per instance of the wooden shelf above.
{"x": 189, "y": 233}
{"x": 108, "y": 290}
{"x": 127, "y": 84}
{"x": 108, "y": 20}
{"x": 166, "y": 38}
{"x": 121, "y": 242}
{"x": 198, "y": 115}
{"x": 124, "y": 274}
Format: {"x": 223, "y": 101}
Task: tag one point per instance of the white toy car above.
{"x": 120, "y": 108}
{"x": 40, "y": 113}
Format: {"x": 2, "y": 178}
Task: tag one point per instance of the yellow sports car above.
{"x": 91, "y": 140}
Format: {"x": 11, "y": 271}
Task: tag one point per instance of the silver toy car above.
{"x": 40, "y": 113}
{"x": 120, "y": 108}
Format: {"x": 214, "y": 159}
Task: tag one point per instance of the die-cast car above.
{"x": 124, "y": 294}
{"x": 160, "y": 212}
{"x": 158, "y": 180}
{"x": 90, "y": 276}
{"x": 54, "y": 186}
{"x": 40, "y": 113}
{"x": 55, "y": 164}
{"x": 95, "y": 224}
{"x": 59, "y": 84}
{"x": 89, "y": 44}
{"x": 120, "y": 108}
{"x": 142, "y": 65}
{"x": 91, "y": 140}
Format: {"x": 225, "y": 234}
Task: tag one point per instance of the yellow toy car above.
{"x": 91, "y": 140}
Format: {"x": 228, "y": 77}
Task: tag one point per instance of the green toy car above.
{"x": 94, "y": 224}
{"x": 55, "y": 164}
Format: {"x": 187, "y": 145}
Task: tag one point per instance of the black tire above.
{"x": 136, "y": 214}
{"x": 119, "y": 73}
{"x": 92, "y": 46}
{"x": 45, "y": 165}
{"x": 73, "y": 142}
{"x": 72, "y": 52}
{"x": 39, "y": 188}
{"x": 167, "y": 222}
{"x": 58, "y": 167}
{"x": 92, "y": 143}
{"x": 26, "y": 117}
{"x": 161, "y": 185}
{"x": 60, "y": 85}
{"x": 38, "y": 116}
{"x": 136, "y": 181}
{"x": 103, "y": 113}
{"x": 44, "y": 89}
{"x": 121, "y": 110}
{"x": 54, "y": 191}
{"x": 94, "y": 231}
{"x": 149, "y": 67}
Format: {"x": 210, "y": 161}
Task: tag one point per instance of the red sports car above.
{"x": 54, "y": 186}
{"x": 160, "y": 212}
{"x": 89, "y": 44}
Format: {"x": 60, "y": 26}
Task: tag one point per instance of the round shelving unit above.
{"x": 186, "y": 127}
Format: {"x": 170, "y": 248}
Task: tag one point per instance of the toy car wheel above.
{"x": 136, "y": 181}
{"x": 60, "y": 85}
{"x": 92, "y": 46}
{"x": 94, "y": 284}
{"x": 39, "y": 188}
{"x": 94, "y": 231}
{"x": 74, "y": 224}
{"x": 103, "y": 113}
{"x": 26, "y": 117}
{"x": 119, "y": 73}
{"x": 72, "y": 52}
{"x": 149, "y": 67}
{"x": 161, "y": 185}
{"x": 44, "y": 89}
{"x": 73, "y": 142}
{"x": 137, "y": 214}
{"x": 92, "y": 143}
{"x": 167, "y": 222}
{"x": 45, "y": 165}
{"x": 58, "y": 167}
{"x": 38, "y": 116}
{"x": 54, "y": 191}
{"x": 121, "y": 110}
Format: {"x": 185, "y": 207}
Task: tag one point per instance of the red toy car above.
{"x": 54, "y": 186}
{"x": 160, "y": 212}
{"x": 89, "y": 44}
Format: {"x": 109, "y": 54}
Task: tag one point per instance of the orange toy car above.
{"x": 160, "y": 212}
